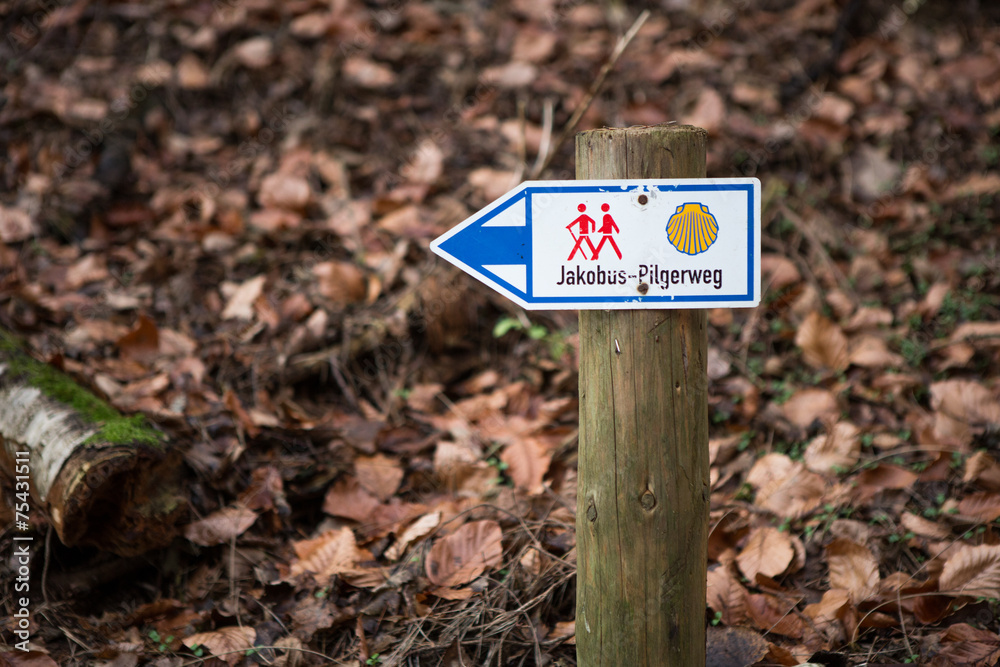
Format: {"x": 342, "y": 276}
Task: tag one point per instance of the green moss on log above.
{"x": 112, "y": 426}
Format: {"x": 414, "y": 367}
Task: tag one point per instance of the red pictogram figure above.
{"x": 587, "y": 225}
{"x": 607, "y": 229}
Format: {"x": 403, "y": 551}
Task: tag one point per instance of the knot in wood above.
{"x": 591, "y": 511}
{"x": 647, "y": 500}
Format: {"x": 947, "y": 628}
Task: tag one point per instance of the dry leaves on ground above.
{"x": 459, "y": 558}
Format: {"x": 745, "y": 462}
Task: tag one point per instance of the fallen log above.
{"x": 100, "y": 478}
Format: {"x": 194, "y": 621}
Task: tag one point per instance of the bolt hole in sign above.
{"x": 616, "y": 244}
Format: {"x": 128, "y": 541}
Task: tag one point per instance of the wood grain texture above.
{"x": 643, "y": 487}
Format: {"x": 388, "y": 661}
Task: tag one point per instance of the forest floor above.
{"x": 218, "y": 215}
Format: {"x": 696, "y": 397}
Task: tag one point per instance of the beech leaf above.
{"x": 768, "y": 551}
{"x": 379, "y": 475}
{"x": 528, "y": 462}
{"x": 973, "y": 571}
{"x": 221, "y": 526}
{"x": 465, "y": 554}
{"x": 228, "y": 643}
{"x": 852, "y": 568}
{"x": 333, "y": 552}
{"x": 733, "y": 647}
{"x": 822, "y": 342}
{"x": 838, "y": 449}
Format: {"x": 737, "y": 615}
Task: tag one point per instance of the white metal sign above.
{"x": 616, "y": 244}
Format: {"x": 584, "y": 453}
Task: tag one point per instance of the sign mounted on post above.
{"x": 616, "y": 244}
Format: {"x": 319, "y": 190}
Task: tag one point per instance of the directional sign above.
{"x": 598, "y": 245}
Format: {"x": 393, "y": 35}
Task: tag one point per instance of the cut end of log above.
{"x": 118, "y": 498}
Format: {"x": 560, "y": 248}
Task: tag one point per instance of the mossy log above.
{"x": 102, "y": 479}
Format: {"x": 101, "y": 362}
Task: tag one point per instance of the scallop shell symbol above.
{"x": 692, "y": 229}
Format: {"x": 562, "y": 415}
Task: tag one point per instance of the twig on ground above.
{"x": 591, "y": 94}
{"x": 545, "y": 144}
{"x": 522, "y": 141}
{"x": 820, "y": 251}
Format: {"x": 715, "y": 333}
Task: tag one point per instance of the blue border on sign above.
{"x": 741, "y": 187}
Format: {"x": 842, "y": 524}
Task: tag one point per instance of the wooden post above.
{"x": 643, "y": 488}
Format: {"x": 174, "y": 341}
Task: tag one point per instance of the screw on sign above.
{"x": 669, "y": 244}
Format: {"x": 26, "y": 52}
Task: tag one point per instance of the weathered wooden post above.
{"x": 640, "y": 231}
{"x": 643, "y": 490}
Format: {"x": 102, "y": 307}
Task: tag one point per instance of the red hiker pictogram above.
{"x": 587, "y": 225}
{"x": 607, "y": 229}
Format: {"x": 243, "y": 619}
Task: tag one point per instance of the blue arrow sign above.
{"x": 561, "y": 245}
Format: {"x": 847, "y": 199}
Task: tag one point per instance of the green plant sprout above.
{"x": 556, "y": 340}
{"x": 163, "y": 643}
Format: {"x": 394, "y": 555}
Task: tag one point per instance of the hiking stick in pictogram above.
{"x": 587, "y": 225}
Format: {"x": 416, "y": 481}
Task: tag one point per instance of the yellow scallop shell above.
{"x": 692, "y": 228}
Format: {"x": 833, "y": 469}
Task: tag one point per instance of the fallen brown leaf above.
{"x": 15, "y": 225}
{"x": 726, "y": 595}
{"x": 822, "y": 342}
{"x": 924, "y": 527}
{"x": 528, "y": 461}
{"x": 465, "y": 554}
{"x": 983, "y": 506}
{"x": 229, "y": 643}
{"x": 974, "y": 185}
{"x": 340, "y": 282}
{"x": 379, "y": 475}
{"x": 90, "y": 268}
{"x": 142, "y": 343}
{"x": 983, "y": 470}
{"x": 972, "y": 571}
{"x": 839, "y": 449}
{"x": 962, "y": 644}
{"x": 284, "y": 191}
{"x": 220, "y": 527}
{"x": 962, "y": 409}
{"x": 333, "y": 552}
{"x": 563, "y": 630}
{"x": 853, "y": 568}
{"x": 733, "y": 647}
{"x": 368, "y": 73}
{"x": 869, "y": 351}
{"x": 808, "y": 405}
{"x": 779, "y": 272}
{"x": 419, "y": 528}
{"x": 785, "y": 487}
{"x": 881, "y": 477}
{"x": 828, "y": 614}
{"x": 346, "y": 498}
{"x": 242, "y": 297}
{"x": 768, "y": 551}
{"x": 775, "y": 616}
{"x": 985, "y": 333}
